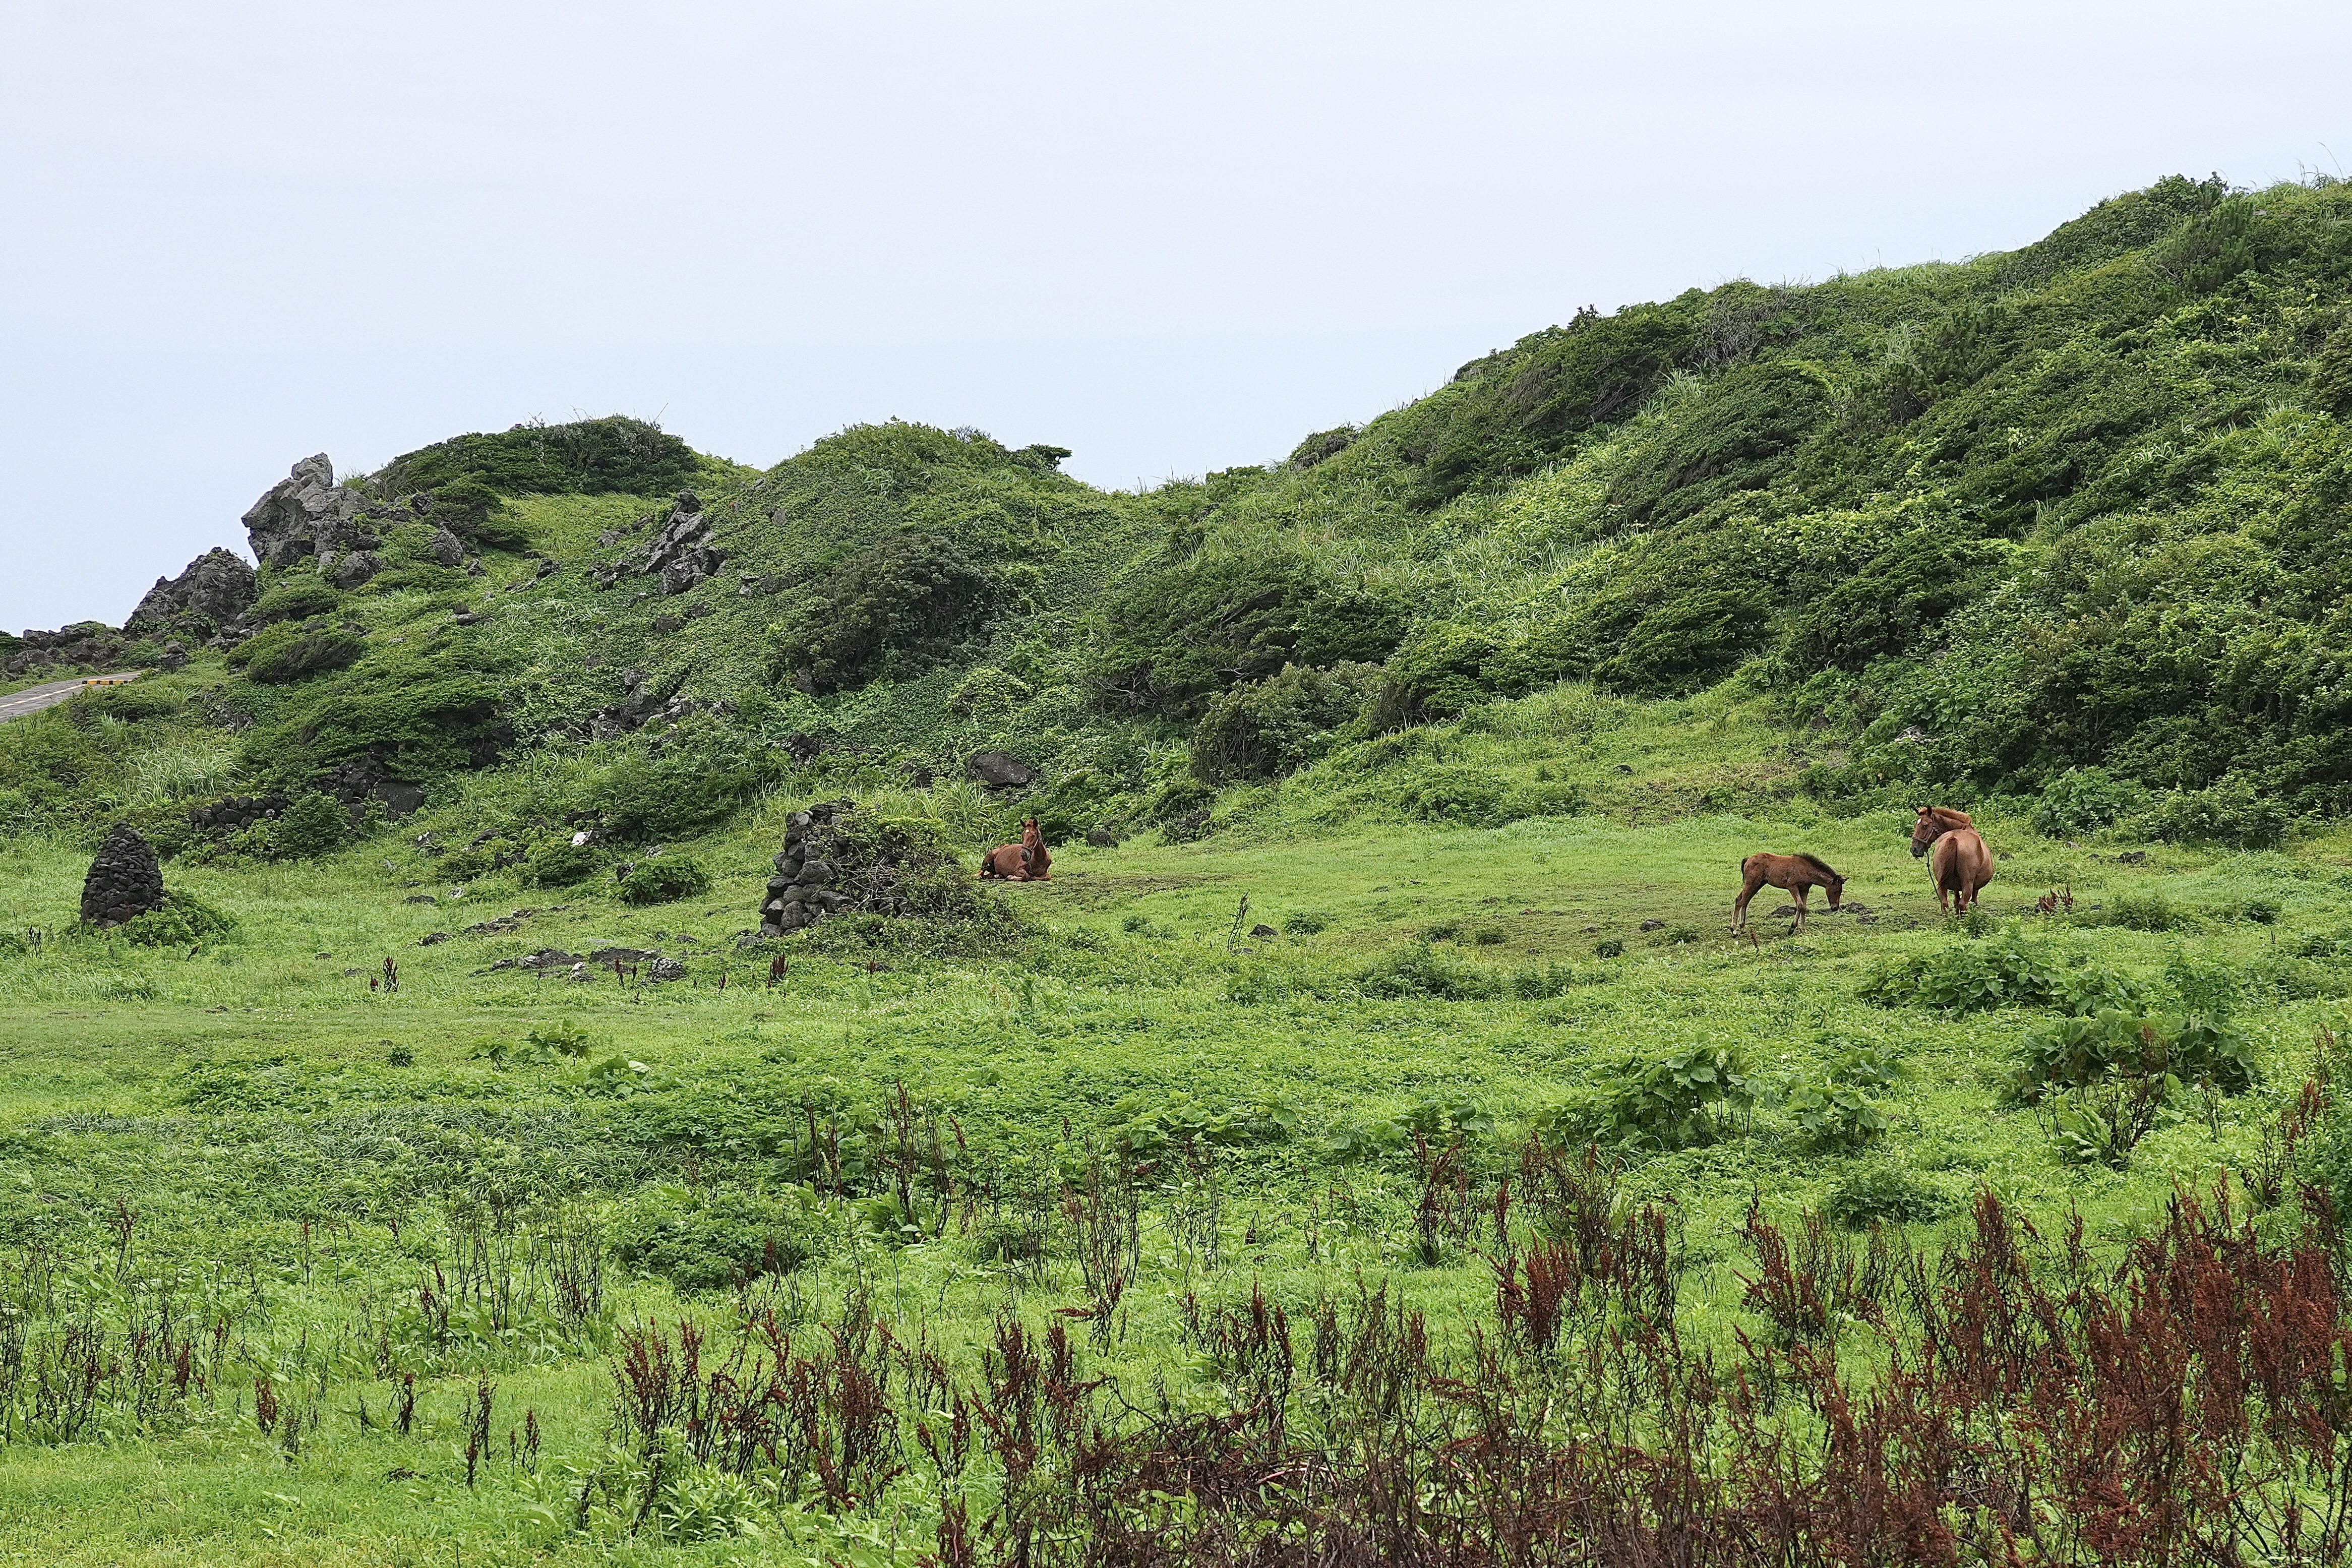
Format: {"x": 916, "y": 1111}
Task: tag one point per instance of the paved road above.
{"x": 33, "y": 699}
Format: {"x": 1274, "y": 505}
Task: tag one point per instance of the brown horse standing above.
{"x": 1795, "y": 874}
{"x": 1957, "y": 861}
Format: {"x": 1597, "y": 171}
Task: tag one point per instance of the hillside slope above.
{"x": 1956, "y": 528}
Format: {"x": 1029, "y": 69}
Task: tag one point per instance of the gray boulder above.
{"x": 306, "y": 513}
{"x": 999, "y": 770}
{"x": 216, "y": 589}
{"x": 350, "y": 569}
{"x": 682, "y": 554}
{"x": 124, "y": 881}
{"x": 446, "y": 547}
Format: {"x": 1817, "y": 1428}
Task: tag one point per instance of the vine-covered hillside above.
{"x": 2067, "y": 522}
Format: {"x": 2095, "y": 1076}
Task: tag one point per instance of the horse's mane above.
{"x": 1823, "y": 866}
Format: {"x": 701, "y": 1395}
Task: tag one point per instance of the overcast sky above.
{"x": 1171, "y": 237}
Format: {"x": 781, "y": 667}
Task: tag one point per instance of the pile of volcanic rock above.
{"x": 801, "y": 892}
{"x": 125, "y": 880}
{"x": 834, "y": 864}
{"x": 235, "y": 812}
{"x": 681, "y": 554}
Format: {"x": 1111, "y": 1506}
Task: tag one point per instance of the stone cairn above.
{"x": 124, "y": 881}
{"x": 801, "y": 891}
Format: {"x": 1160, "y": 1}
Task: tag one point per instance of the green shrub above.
{"x": 185, "y": 921}
{"x": 1274, "y": 726}
{"x": 295, "y": 598}
{"x": 2074, "y": 1052}
{"x": 560, "y": 863}
{"x": 664, "y": 879}
{"x": 707, "y": 1241}
{"x": 1421, "y": 971}
{"x": 1307, "y": 923}
{"x": 1885, "y": 1195}
{"x": 1687, "y": 1099}
{"x": 2331, "y": 372}
{"x": 1172, "y": 639}
{"x": 286, "y": 652}
{"x": 2151, "y": 910}
{"x": 647, "y": 802}
{"x": 311, "y": 824}
{"x": 1833, "y": 1118}
{"x": 2233, "y": 813}
{"x": 588, "y": 456}
{"x": 2081, "y": 801}
{"x": 1609, "y": 947}
{"x": 892, "y": 610}
{"x": 1979, "y": 977}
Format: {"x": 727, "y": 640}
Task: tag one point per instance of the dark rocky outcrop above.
{"x": 305, "y": 514}
{"x": 217, "y": 588}
{"x": 999, "y": 770}
{"x": 682, "y": 554}
{"x": 83, "y": 646}
{"x": 235, "y": 813}
{"x": 646, "y": 703}
{"x": 125, "y": 880}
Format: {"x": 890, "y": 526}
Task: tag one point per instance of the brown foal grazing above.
{"x": 1796, "y": 874}
{"x": 1957, "y": 861}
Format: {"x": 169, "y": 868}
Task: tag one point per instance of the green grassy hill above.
{"x": 1419, "y": 768}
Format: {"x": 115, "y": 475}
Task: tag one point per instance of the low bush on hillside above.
{"x": 711, "y": 1240}
{"x": 1421, "y": 970}
{"x": 2081, "y": 801}
{"x": 287, "y": 652}
{"x": 1175, "y": 639}
{"x": 1267, "y": 728}
{"x": 560, "y": 863}
{"x": 1980, "y": 976}
{"x": 1686, "y": 1099}
{"x": 1885, "y": 1194}
{"x": 2230, "y": 814}
{"x": 664, "y": 879}
{"x": 185, "y": 921}
{"x": 891, "y": 610}
{"x": 587, "y": 456}
{"x": 2075, "y": 1052}
{"x": 646, "y": 800}
{"x": 297, "y": 597}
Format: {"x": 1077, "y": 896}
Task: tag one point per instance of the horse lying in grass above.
{"x": 1026, "y": 861}
{"x": 1957, "y": 861}
{"x": 1798, "y": 875}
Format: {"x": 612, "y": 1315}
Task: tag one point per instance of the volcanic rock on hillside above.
{"x": 216, "y": 589}
{"x": 998, "y": 769}
{"x": 124, "y": 881}
{"x": 682, "y": 553}
{"x": 85, "y": 645}
{"x": 306, "y": 513}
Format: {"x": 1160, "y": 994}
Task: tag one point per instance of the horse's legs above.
{"x": 1750, "y": 882}
{"x": 1803, "y": 892}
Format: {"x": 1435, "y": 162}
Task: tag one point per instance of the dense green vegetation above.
{"x": 1423, "y": 764}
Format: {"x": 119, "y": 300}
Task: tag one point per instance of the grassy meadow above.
{"x": 356, "y": 1198}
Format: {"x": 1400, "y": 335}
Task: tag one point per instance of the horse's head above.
{"x": 1030, "y": 834}
{"x": 1925, "y": 830}
{"x": 1835, "y": 888}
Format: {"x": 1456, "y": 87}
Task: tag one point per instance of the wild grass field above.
{"x": 1372, "y": 1145}
{"x": 309, "y": 1272}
